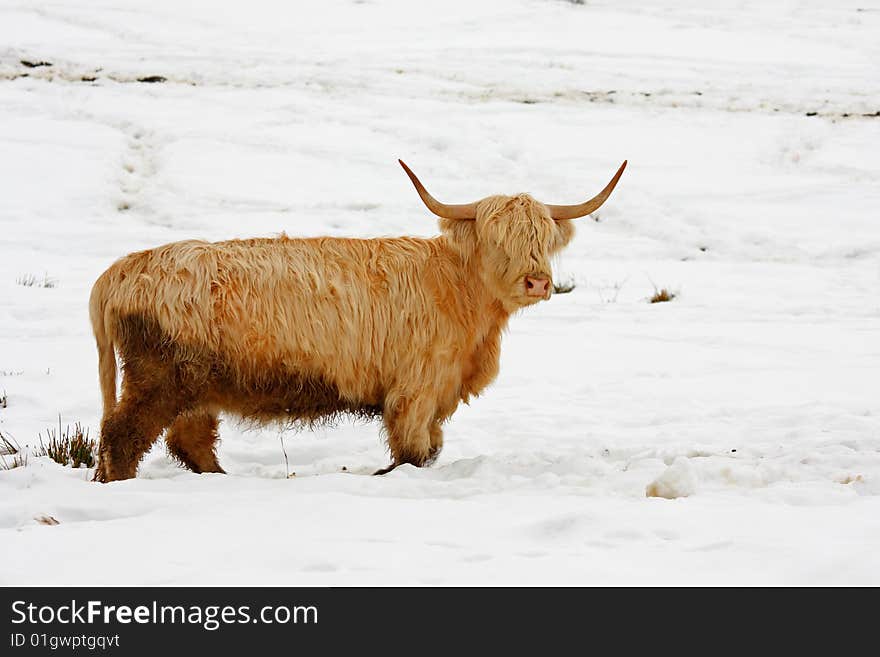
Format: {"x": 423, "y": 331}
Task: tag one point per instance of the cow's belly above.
{"x": 286, "y": 396}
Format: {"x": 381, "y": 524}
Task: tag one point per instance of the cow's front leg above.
{"x": 436, "y": 433}
{"x": 435, "y": 429}
{"x": 408, "y": 423}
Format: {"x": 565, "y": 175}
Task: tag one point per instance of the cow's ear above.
{"x": 563, "y": 234}
{"x": 463, "y": 234}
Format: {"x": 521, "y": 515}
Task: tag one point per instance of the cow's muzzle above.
{"x": 537, "y": 286}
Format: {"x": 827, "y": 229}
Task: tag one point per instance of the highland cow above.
{"x": 302, "y": 330}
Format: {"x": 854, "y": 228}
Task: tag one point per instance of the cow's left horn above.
{"x": 467, "y": 212}
{"x": 559, "y": 212}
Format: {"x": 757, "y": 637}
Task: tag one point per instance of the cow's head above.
{"x": 513, "y": 236}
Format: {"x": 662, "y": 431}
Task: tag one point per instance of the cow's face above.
{"x": 517, "y": 239}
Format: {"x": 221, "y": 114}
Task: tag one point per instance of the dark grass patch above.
{"x": 70, "y": 447}
{"x": 662, "y": 295}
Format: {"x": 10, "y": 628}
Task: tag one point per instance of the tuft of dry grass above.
{"x": 9, "y": 447}
{"x": 73, "y": 448}
{"x": 563, "y": 287}
{"x": 608, "y": 292}
{"x": 29, "y": 280}
{"x": 662, "y": 295}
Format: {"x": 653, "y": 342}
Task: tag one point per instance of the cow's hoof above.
{"x": 432, "y": 456}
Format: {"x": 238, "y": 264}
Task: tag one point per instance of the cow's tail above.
{"x": 104, "y": 342}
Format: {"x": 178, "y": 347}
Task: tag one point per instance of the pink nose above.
{"x": 537, "y": 287}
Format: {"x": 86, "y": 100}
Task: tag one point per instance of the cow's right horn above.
{"x": 466, "y": 212}
{"x": 559, "y": 212}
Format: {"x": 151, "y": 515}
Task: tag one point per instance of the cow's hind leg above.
{"x": 192, "y": 440}
{"x": 156, "y": 387}
{"x": 128, "y": 432}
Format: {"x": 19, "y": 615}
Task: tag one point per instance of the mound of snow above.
{"x": 678, "y": 480}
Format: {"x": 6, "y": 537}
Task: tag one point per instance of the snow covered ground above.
{"x": 753, "y": 137}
